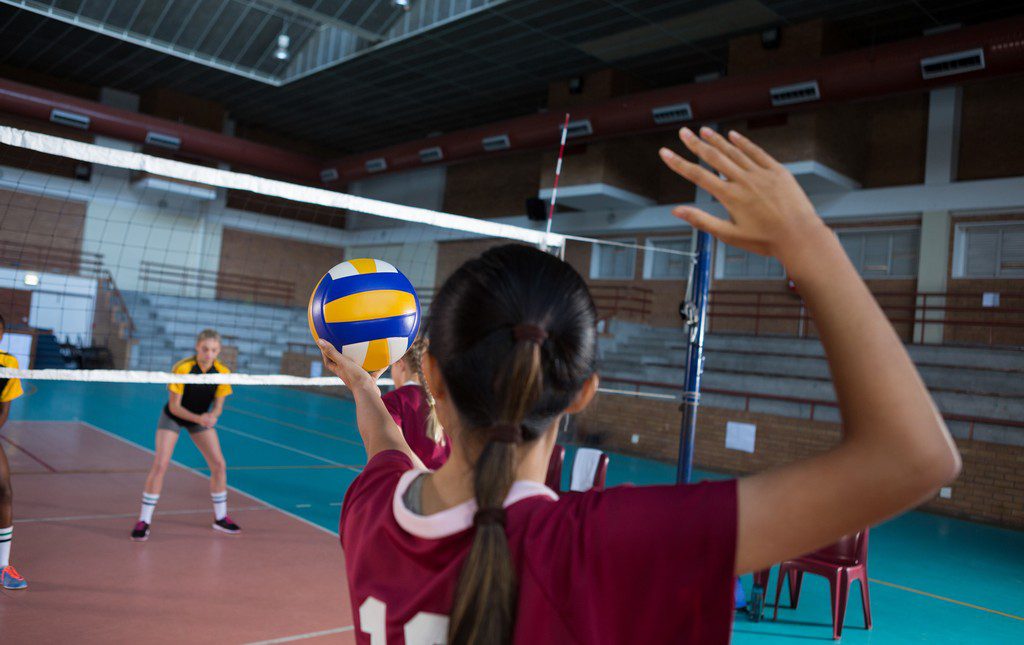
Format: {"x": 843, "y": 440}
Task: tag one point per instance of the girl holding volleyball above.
{"x": 195, "y": 408}
{"x": 485, "y": 553}
{"x": 412, "y": 407}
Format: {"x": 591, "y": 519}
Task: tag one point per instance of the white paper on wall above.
{"x": 740, "y": 436}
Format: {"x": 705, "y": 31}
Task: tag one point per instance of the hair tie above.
{"x": 506, "y": 433}
{"x": 489, "y": 516}
{"x": 530, "y": 332}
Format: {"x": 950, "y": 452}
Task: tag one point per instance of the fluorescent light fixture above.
{"x": 31, "y": 279}
{"x": 281, "y": 53}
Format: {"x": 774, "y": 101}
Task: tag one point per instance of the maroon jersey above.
{"x": 624, "y": 565}
{"x": 409, "y": 408}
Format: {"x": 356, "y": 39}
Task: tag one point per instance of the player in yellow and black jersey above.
{"x": 10, "y": 389}
{"x": 196, "y": 408}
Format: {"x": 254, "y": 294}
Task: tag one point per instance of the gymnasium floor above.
{"x": 79, "y": 460}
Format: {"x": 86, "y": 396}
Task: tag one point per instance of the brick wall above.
{"x": 252, "y": 254}
{"x": 991, "y": 129}
{"x": 41, "y": 233}
{"x": 990, "y": 488}
{"x": 492, "y": 187}
{"x": 15, "y": 306}
{"x": 896, "y": 129}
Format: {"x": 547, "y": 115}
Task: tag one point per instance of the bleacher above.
{"x": 976, "y": 388}
{"x": 167, "y": 328}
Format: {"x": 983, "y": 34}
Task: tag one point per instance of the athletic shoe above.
{"x": 10, "y": 579}
{"x": 225, "y": 525}
{"x": 141, "y": 531}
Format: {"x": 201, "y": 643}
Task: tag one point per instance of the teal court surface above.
{"x": 933, "y": 579}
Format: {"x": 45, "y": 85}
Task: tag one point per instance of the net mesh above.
{"x": 111, "y": 261}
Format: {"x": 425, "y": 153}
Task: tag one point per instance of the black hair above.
{"x": 514, "y": 335}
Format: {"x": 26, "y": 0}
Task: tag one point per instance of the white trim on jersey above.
{"x": 457, "y": 518}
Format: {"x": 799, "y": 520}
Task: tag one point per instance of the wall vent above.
{"x": 71, "y": 119}
{"x": 430, "y": 155}
{"x": 796, "y": 93}
{"x": 970, "y": 60}
{"x": 376, "y": 165}
{"x": 580, "y": 128}
{"x": 672, "y": 113}
{"x": 163, "y": 140}
{"x": 497, "y": 142}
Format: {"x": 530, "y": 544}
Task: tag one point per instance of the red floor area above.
{"x": 76, "y": 496}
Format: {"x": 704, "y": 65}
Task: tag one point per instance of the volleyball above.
{"x": 368, "y": 310}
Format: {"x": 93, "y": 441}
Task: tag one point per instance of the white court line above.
{"x": 287, "y": 447}
{"x": 113, "y": 516}
{"x": 299, "y": 637}
{"x": 205, "y": 476}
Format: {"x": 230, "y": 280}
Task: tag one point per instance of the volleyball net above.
{"x": 112, "y": 260}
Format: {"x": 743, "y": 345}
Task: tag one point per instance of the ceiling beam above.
{"x": 322, "y": 18}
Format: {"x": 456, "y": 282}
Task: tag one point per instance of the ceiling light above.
{"x": 281, "y": 53}
{"x": 404, "y": 4}
{"x": 31, "y": 279}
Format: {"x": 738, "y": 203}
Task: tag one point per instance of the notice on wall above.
{"x": 990, "y": 299}
{"x": 740, "y": 436}
{"x": 316, "y": 368}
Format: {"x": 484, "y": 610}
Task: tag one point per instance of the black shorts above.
{"x": 169, "y": 423}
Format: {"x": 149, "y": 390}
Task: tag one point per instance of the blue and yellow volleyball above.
{"x": 368, "y": 310}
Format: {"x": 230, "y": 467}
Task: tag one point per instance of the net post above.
{"x": 695, "y": 357}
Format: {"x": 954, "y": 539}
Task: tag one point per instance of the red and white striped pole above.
{"x": 558, "y": 173}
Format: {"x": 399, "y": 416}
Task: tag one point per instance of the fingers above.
{"x": 710, "y": 154}
{"x": 734, "y": 154}
{"x": 694, "y": 172}
{"x": 706, "y": 222}
{"x": 752, "y": 150}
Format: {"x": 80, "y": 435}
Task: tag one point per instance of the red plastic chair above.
{"x": 841, "y": 563}
{"x": 554, "y": 477}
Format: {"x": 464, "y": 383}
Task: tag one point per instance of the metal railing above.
{"x": 231, "y": 286}
{"x": 622, "y": 301}
{"x": 812, "y": 404}
{"x": 914, "y": 314}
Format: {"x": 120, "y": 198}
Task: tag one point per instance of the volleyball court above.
{"x": 111, "y": 262}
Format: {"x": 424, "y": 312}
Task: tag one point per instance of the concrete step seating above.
{"x": 967, "y": 381}
{"x": 167, "y": 327}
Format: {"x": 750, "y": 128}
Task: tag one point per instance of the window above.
{"x": 668, "y": 266}
{"x": 993, "y": 250}
{"x": 883, "y": 253}
{"x": 608, "y": 262}
{"x": 734, "y": 263}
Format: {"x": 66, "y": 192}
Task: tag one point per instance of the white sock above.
{"x": 148, "y": 506}
{"x": 220, "y": 504}
{"x": 6, "y": 535}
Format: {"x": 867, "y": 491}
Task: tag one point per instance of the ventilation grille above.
{"x": 672, "y": 113}
{"x": 581, "y": 128}
{"x": 429, "y": 155}
{"x": 796, "y": 93}
{"x": 376, "y": 165}
{"x": 163, "y": 140}
{"x": 71, "y": 119}
{"x": 327, "y": 175}
{"x": 497, "y": 142}
{"x": 971, "y": 60}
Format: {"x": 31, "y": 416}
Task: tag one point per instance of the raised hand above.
{"x": 770, "y": 214}
{"x": 345, "y": 368}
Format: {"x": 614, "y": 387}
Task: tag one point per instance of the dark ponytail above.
{"x": 513, "y": 333}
